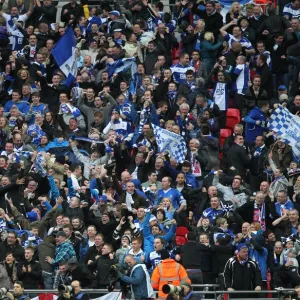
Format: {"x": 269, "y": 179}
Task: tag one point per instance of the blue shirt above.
{"x": 212, "y": 214}
{"x": 22, "y": 106}
{"x": 173, "y": 194}
{"x": 288, "y": 205}
{"x": 178, "y": 71}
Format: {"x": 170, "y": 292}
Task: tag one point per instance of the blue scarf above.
{"x": 87, "y": 140}
{"x": 11, "y": 21}
{"x": 257, "y": 151}
{"x": 172, "y": 97}
{"x": 198, "y": 42}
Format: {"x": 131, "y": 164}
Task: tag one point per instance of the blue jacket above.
{"x": 253, "y": 130}
{"x": 261, "y": 259}
{"x": 149, "y": 237}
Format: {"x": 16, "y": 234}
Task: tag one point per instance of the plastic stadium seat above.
{"x": 224, "y": 133}
{"x": 180, "y": 237}
{"x": 233, "y": 118}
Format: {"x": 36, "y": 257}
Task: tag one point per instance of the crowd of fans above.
{"x": 84, "y": 182}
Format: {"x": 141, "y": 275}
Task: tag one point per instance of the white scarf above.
{"x": 150, "y": 292}
{"x": 129, "y": 201}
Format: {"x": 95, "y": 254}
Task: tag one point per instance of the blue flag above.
{"x": 64, "y": 54}
{"x": 287, "y": 127}
{"x": 171, "y": 142}
{"x": 122, "y": 65}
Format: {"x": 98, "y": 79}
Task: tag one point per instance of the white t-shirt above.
{"x": 10, "y": 28}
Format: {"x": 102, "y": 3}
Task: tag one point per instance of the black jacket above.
{"x": 247, "y": 210}
{"x": 266, "y": 80}
{"x": 45, "y": 14}
{"x": 257, "y": 162}
{"x": 84, "y": 276}
{"x": 251, "y": 99}
{"x": 238, "y": 158}
{"x": 221, "y": 254}
{"x": 17, "y": 250}
{"x": 29, "y": 279}
{"x": 76, "y": 11}
{"x": 103, "y": 265}
{"x": 196, "y": 256}
{"x": 165, "y": 45}
{"x": 274, "y": 24}
{"x": 242, "y": 277}
{"x": 91, "y": 254}
{"x": 213, "y": 22}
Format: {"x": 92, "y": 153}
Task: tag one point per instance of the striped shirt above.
{"x": 291, "y": 12}
{"x": 178, "y": 71}
{"x": 243, "y": 76}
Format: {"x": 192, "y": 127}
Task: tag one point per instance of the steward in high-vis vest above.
{"x": 167, "y": 272}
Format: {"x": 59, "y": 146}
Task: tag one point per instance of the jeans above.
{"x": 48, "y": 280}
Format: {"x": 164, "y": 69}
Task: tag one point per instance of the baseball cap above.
{"x": 282, "y": 88}
{"x": 72, "y": 261}
{"x": 115, "y": 13}
{"x": 61, "y": 233}
{"x": 241, "y": 246}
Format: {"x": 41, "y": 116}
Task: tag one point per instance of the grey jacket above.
{"x": 228, "y": 194}
{"x": 89, "y": 111}
{"x": 46, "y": 249}
{"x": 88, "y": 162}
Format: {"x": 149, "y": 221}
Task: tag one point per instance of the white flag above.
{"x": 111, "y": 296}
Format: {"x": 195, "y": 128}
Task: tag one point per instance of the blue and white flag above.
{"x": 67, "y": 108}
{"x": 64, "y": 54}
{"x": 170, "y": 142}
{"x": 122, "y": 65}
{"x": 287, "y": 127}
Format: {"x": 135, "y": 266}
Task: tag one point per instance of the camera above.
{"x": 113, "y": 276}
{"x": 172, "y": 289}
{"x": 65, "y": 289}
{"x": 3, "y": 292}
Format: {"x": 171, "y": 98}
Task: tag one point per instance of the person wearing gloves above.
{"x": 242, "y": 273}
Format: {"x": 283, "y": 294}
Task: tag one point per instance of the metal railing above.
{"x": 208, "y": 294}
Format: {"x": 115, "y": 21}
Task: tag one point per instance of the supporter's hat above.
{"x": 61, "y": 233}
{"x": 115, "y": 13}
{"x": 116, "y": 110}
{"x": 152, "y": 218}
{"x": 240, "y": 246}
{"x": 32, "y": 216}
{"x": 118, "y": 30}
{"x": 282, "y": 88}
{"x": 127, "y": 237}
{"x": 71, "y": 262}
{"x": 164, "y": 254}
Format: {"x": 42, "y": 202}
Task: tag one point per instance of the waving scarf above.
{"x": 259, "y": 215}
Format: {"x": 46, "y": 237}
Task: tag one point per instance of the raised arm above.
{"x": 225, "y": 27}
{"x": 31, "y": 7}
